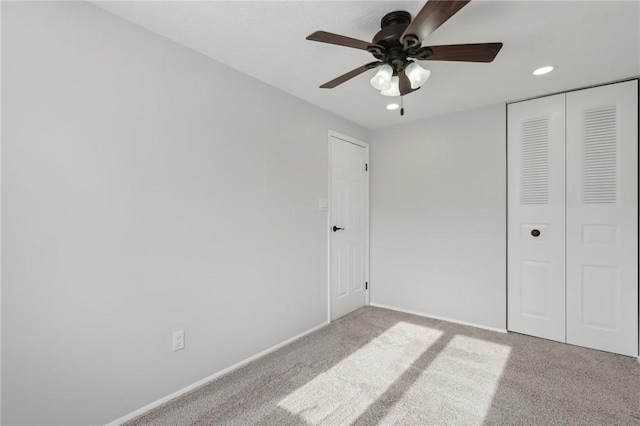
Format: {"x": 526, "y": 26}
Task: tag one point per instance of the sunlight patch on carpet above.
{"x": 342, "y": 393}
{"x": 457, "y": 387}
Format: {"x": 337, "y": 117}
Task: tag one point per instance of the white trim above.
{"x": 368, "y": 218}
{"x": 211, "y": 378}
{"x": 334, "y": 134}
{"x": 0, "y": 218}
{"x": 420, "y": 314}
{"x": 328, "y": 228}
{"x": 365, "y": 145}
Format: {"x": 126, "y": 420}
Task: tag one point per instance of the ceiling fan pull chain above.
{"x": 401, "y": 105}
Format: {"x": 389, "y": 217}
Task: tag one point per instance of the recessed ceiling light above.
{"x": 543, "y": 70}
{"x": 391, "y": 107}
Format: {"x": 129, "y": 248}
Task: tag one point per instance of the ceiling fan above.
{"x": 399, "y": 43}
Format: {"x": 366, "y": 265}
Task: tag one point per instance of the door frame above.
{"x": 365, "y": 145}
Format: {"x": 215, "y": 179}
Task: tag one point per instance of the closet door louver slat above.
{"x": 534, "y": 163}
{"x": 599, "y": 155}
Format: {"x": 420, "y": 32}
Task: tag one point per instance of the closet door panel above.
{"x": 602, "y": 218}
{"x": 536, "y": 218}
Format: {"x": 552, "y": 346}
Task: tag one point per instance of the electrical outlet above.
{"x": 178, "y": 340}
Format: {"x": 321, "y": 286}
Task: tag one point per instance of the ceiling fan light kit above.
{"x": 417, "y": 75}
{"x": 382, "y": 79}
{"x": 394, "y": 87}
{"x": 387, "y": 83}
{"x": 399, "y": 43}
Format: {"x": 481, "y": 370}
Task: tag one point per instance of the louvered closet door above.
{"x": 536, "y": 227}
{"x": 602, "y": 215}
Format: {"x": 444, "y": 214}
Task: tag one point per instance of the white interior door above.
{"x": 536, "y": 218}
{"x": 349, "y": 226}
{"x": 602, "y": 218}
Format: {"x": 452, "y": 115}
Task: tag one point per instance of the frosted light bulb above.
{"x": 382, "y": 79}
{"x": 394, "y": 88}
{"x": 416, "y": 74}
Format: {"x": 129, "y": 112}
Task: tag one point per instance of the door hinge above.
{"x": 366, "y": 167}
{"x": 366, "y": 285}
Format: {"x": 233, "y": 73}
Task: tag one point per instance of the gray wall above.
{"x": 146, "y": 189}
{"x": 438, "y": 208}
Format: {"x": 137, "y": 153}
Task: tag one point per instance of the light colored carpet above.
{"x": 377, "y": 366}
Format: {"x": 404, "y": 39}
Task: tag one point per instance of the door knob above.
{"x": 335, "y": 228}
{"x": 535, "y": 233}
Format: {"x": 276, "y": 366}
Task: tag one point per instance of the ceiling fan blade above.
{"x": 325, "y": 37}
{"x": 478, "y": 52}
{"x": 353, "y": 73}
{"x": 433, "y": 14}
{"x": 405, "y": 84}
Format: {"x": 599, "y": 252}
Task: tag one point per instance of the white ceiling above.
{"x": 589, "y": 42}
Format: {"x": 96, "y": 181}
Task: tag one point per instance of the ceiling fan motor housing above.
{"x": 393, "y": 26}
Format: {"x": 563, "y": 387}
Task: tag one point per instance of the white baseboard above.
{"x": 211, "y": 378}
{"x": 420, "y": 314}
